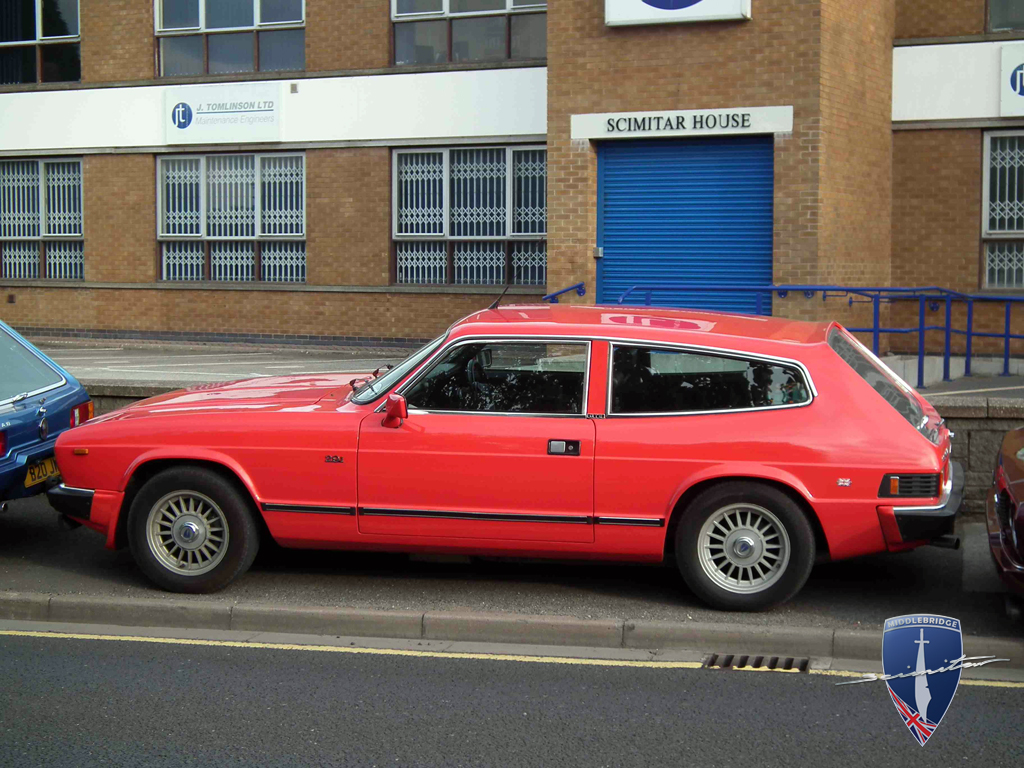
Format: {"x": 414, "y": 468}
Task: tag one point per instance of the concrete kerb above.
{"x": 811, "y": 642}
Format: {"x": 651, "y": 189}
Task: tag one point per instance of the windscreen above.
{"x": 21, "y": 372}
{"x": 886, "y": 383}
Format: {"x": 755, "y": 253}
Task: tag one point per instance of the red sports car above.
{"x": 741, "y": 448}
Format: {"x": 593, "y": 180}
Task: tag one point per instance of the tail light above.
{"x": 81, "y": 413}
{"x": 3, "y": 443}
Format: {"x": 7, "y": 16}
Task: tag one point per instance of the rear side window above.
{"x": 23, "y": 372}
{"x": 886, "y": 383}
{"x": 653, "y": 380}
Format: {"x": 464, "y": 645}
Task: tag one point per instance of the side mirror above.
{"x": 396, "y": 412}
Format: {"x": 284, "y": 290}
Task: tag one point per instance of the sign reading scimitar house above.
{"x": 621, "y": 12}
{"x": 241, "y": 113}
{"x": 691, "y": 122}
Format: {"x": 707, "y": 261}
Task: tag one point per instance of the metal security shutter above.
{"x": 690, "y": 210}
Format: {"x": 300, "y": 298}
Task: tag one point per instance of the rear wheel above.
{"x": 744, "y": 546}
{"x": 191, "y": 530}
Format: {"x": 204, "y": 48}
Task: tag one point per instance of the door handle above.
{"x": 563, "y": 447}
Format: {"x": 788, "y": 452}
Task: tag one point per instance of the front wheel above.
{"x": 744, "y": 546}
{"x": 191, "y": 530}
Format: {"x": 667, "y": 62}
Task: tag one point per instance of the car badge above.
{"x": 844, "y": 482}
{"x": 44, "y": 428}
{"x": 920, "y": 652}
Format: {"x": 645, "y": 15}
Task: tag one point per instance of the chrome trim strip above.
{"x": 72, "y": 491}
{"x": 947, "y": 490}
{"x": 644, "y": 522}
{"x": 313, "y": 510}
{"x": 483, "y": 516}
{"x": 734, "y": 354}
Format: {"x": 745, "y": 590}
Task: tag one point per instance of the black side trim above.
{"x": 641, "y": 522}
{"x": 309, "y": 510}
{"x": 488, "y": 516}
{"x": 76, "y": 502}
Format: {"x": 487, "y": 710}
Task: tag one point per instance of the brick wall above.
{"x": 117, "y": 40}
{"x": 939, "y": 18}
{"x": 355, "y": 34}
{"x": 119, "y": 204}
{"x": 348, "y": 217}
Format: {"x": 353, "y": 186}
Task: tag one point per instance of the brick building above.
{"x": 375, "y": 169}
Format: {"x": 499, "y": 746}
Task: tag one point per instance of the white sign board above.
{"x": 240, "y": 113}
{"x": 1011, "y": 86}
{"x": 621, "y": 12}
{"x": 691, "y": 122}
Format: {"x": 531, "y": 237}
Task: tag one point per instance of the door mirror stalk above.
{"x": 396, "y": 412}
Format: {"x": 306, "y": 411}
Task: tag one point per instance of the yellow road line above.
{"x": 442, "y": 654}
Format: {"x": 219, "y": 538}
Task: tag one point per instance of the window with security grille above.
{"x": 1003, "y": 211}
{"x": 199, "y": 37}
{"x": 39, "y": 41}
{"x": 471, "y": 216}
{"x": 440, "y": 31}
{"x": 41, "y": 220}
{"x": 233, "y": 218}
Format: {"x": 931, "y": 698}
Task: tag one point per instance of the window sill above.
{"x": 984, "y": 37}
{"x": 524, "y": 290}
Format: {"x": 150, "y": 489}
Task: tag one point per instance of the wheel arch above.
{"x": 790, "y": 487}
{"x": 144, "y": 470}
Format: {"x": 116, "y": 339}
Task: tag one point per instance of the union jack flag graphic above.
{"x": 920, "y": 727}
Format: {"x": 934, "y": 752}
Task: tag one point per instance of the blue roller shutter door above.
{"x": 688, "y": 210}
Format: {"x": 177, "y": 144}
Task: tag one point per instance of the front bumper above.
{"x": 925, "y": 523}
{"x": 73, "y": 502}
{"x": 1002, "y": 542}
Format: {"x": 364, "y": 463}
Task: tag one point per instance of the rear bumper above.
{"x": 73, "y": 502}
{"x": 14, "y": 468}
{"x": 925, "y": 523}
{"x": 1006, "y": 553}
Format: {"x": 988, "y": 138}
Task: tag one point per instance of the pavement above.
{"x": 977, "y": 386}
{"x": 93, "y": 696}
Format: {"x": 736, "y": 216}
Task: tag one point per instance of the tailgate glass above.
{"x": 23, "y": 371}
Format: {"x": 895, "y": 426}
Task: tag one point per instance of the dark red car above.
{"x": 1005, "y": 511}
{"x": 741, "y": 448}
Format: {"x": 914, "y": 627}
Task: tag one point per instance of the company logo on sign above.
{"x": 621, "y": 12}
{"x": 671, "y": 5}
{"x": 181, "y": 115}
{"x": 1017, "y": 80}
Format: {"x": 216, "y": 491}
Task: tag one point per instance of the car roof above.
{"x": 682, "y": 326}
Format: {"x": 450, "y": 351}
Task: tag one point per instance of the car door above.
{"x": 496, "y": 446}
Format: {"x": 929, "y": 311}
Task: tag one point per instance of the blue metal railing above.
{"x": 580, "y": 288}
{"x": 930, "y": 298}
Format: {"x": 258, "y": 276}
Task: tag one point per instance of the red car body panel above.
{"x": 325, "y": 473}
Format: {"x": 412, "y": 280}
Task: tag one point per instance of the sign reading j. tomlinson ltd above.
{"x": 693, "y": 122}
{"x": 620, "y": 12}
{"x": 218, "y": 114}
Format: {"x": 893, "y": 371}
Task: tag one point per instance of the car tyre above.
{"x": 192, "y": 530}
{"x": 744, "y": 546}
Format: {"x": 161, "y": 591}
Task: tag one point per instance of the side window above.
{"x": 505, "y": 377}
{"x": 651, "y": 380}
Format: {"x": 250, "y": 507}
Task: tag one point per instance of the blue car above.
{"x": 38, "y": 401}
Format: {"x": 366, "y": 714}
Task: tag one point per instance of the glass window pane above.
{"x": 282, "y": 195}
{"x": 528, "y": 3}
{"x": 23, "y": 370}
{"x": 273, "y": 11}
{"x": 231, "y": 53}
{"x": 420, "y": 193}
{"x": 17, "y": 65}
{"x": 530, "y": 36}
{"x": 221, "y": 14}
{"x": 60, "y": 18}
{"x": 421, "y": 42}
{"x": 479, "y": 39}
{"x": 529, "y": 191}
{"x": 179, "y": 196}
{"x": 61, "y": 63}
{"x": 63, "y": 198}
{"x": 181, "y": 55}
{"x": 180, "y": 14}
{"x": 17, "y": 20}
{"x": 471, "y": 6}
{"x": 283, "y": 49}
{"x": 1005, "y": 14}
{"x": 505, "y": 378}
{"x": 478, "y": 192}
{"x": 646, "y": 380}
{"x": 231, "y": 196}
{"x": 19, "y": 199}
{"x": 418, "y": 6}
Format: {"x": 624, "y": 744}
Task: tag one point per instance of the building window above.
{"x": 39, "y": 41}
{"x": 1003, "y": 210}
{"x": 41, "y": 219}
{"x": 1005, "y": 15}
{"x": 214, "y": 37}
{"x": 439, "y": 31}
{"x": 233, "y": 218}
{"x": 471, "y": 216}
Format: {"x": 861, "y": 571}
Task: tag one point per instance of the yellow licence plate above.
{"x": 38, "y": 473}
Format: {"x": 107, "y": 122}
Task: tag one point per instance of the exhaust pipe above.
{"x": 3, "y": 507}
{"x": 946, "y": 542}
